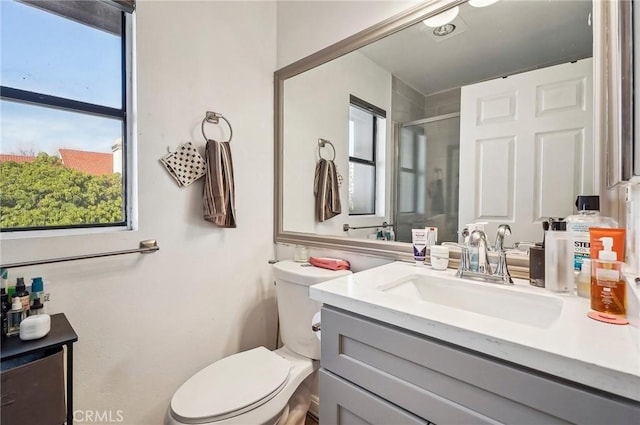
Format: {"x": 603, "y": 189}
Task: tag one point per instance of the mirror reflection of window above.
{"x": 366, "y": 132}
{"x": 412, "y": 164}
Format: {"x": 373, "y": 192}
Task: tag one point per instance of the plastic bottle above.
{"x": 4, "y": 300}
{"x": 588, "y": 216}
{"x": 389, "y": 234}
{"x": 16, "y": 316}
{"x": 584, "y": 279}
{"x": 21, "y": 293}
{"x": 37, "y": 288}
{"x": 608, "y": 292}
{"x": 557, "y": 255}
{"x": 36, "y": 308}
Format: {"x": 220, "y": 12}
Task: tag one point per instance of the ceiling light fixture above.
{"x": 481, "y": 3}
{"x": 442, "y": 18}
{"x": 444, "y": 30}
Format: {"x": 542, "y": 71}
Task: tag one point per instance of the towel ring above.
{"x": 213, "y": 118}
{"x": 321, "y": 144}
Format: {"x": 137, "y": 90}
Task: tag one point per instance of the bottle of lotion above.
{"x": 608, "y": 292}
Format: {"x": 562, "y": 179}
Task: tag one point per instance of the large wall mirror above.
{"x": 451, "y": 113}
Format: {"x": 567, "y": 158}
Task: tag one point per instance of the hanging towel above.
{"x": 326, "y": 191}
{"x": 219, "y": 193}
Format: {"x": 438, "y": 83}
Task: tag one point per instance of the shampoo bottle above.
{"x": 608, "y": 292}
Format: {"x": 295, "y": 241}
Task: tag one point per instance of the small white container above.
{"x": 301, "y": 254}
{"x": 439, "y": 257}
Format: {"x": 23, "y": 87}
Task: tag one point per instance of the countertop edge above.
{"x": 570, "y": 369}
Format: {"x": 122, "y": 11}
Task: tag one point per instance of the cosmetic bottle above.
{"x": 16, "y": 316}
{"x": 557, "y": 258}
{"x": 36, "y": 308}
{"x": 37, "y": 288}
{"x": 4, "y": 298}
{"x": 4, "y": 279}
{"x": 22, "y": 294}
{"x": 608, "y": 292}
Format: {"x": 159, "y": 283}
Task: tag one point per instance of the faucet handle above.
{"x": 503, "y": 230}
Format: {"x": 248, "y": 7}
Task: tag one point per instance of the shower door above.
{"x": 427, "y": 177}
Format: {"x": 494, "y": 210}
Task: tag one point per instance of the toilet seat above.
{"x": 231, "y": 386}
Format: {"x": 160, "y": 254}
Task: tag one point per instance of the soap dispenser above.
{"x": 608, "y": 292}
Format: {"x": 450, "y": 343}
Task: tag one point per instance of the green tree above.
{"x": 45, "y": 193}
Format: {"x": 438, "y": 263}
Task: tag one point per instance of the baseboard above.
{"x": 314, "y": 407}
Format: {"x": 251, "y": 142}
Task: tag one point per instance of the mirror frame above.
{"x": 603, "y": 27}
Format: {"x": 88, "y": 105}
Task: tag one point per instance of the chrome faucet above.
{"x": 503, "y": 230}
{"x": 478, "y": 239}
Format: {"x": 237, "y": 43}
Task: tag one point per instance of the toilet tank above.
{"x": 295, "y": 308}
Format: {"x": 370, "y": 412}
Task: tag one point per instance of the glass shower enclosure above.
{"x": 427, "y": 165}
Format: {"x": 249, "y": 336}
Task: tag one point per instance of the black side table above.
{"x": 61, "y": 334}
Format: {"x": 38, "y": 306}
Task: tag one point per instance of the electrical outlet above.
{"x": 627, "y": 194}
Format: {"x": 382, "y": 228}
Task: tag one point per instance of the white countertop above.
{"x": 573, "y": 347}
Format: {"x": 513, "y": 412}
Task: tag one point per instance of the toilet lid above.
{"x": 231, "y": 386}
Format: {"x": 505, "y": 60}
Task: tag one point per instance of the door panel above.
{"x": 526, "y": 148}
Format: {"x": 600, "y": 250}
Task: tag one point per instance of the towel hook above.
{"x": 213, "y": 118}
{"x": 321, "y": 144}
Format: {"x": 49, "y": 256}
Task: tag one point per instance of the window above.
{"x": 366, "y": 128}
{"x": 63, "y": 122}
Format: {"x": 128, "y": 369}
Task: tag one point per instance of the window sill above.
{"x": 34, "y": 234}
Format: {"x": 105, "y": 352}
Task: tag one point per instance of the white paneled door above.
{"x": 526, "y": 148}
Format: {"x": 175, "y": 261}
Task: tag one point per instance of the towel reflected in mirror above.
{"x": 326, "y": 190}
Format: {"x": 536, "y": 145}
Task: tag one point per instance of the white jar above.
{"x": 300, "y": 254}
{"x": 439, "y": 257}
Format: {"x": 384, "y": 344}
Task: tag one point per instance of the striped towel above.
{"x": 219, "y": 193}
{"x": 326, "y": 191}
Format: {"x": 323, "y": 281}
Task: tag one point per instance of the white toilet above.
{"x": 254, "y": 386}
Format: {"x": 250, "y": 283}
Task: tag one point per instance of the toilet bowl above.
{"x": 255, "y": 386}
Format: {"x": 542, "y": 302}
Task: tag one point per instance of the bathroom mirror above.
{"x": 416, "y": 85}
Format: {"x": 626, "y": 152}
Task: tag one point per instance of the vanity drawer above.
{"x": 448, "y": 384}
{"x": 343, "y": 403}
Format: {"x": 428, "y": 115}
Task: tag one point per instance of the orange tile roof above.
{"x": 96, "y": 163}
{"x": 16, "y": 158}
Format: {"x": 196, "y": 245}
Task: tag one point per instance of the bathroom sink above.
{"x": 499, "y": 302}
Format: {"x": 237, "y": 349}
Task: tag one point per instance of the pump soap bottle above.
{"x": 608, "y": 291}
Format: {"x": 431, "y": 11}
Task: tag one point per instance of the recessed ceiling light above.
{"x": 444, "y": 30}
{"x": 481, "y": 3}
{"x": 442, "y": 18}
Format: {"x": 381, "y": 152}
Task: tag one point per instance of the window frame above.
{"x": 122, "y": 114}
{"x": 377, "y": 114}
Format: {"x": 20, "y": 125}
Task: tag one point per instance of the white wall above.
{"x": 633, "y": 228}
{"x": 312, "y": 113}
{"x": 146, "y": 323}
{"x": 305, "y": 27}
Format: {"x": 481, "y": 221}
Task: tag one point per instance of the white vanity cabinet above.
{"x": 376, "y": 373}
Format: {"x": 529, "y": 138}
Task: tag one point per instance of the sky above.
{"x": 45, "y": 53}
